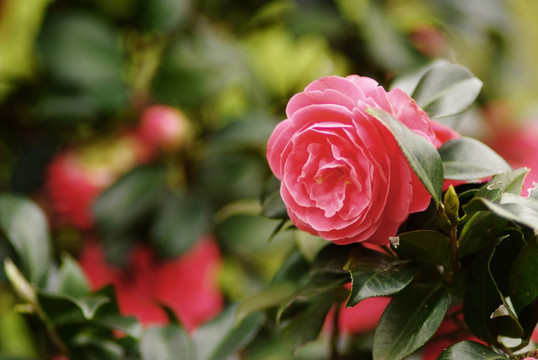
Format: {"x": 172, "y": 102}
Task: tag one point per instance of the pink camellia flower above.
{"x": 188, "y": 284}
{"x": 164, "y": 127}
{"x": 343, "y": 174}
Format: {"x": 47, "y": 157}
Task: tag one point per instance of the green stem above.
{"x": 455, "y": 263}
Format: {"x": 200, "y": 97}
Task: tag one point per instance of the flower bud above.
{"x": 164, "y": 127}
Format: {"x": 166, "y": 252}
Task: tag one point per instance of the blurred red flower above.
{"x": 362, "y": 317}
{"x": 187, "y": 284}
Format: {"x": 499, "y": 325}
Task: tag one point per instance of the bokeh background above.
{"x": 139, "y": 127}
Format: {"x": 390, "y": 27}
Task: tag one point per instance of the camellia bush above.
{"x": 268, "y": 180}
{"x": 417, "y": 242}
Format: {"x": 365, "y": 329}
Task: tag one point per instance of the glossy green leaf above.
{"x": 511, "y": 181}
{"x": 523, "y": 282}
{"x": 219, "y": 338}
{"x": 480, "y": 230}
{"x": 25, "y": 226}
{"x": 409, "y": 321}
{"x": 178, "y": 225}
{"x": 168, "y": 342}
{"x": 130, "y": 198}
{"x": 512, "y": 207}
{"x": 469, "y": 159}
{"x": 421, "y": 154}
{"x": 375, "y": 274}
{"x": 446, "y": 89}
{"x": 70, "y": 279}
{"x": 469, "y": 350}
{"x": 429, "y": 246}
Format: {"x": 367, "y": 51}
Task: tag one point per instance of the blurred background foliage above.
{"x": 75, "y": 76}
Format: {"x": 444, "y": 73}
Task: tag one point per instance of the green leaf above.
{"x": 523, "y": 283}
{"x": 70, "y": 279}
{"x": 25, "y": 226}
{"x": 512, "y": 207}
{"x": 178, "y": 225}
{"x": 483, "y": 301}
{"x": 306, "y": 326}
{"x": 375, "y": 274}
{"x": 326, "y": 275}
{"x": 65, "y": 309}
{"x": 409, "y": 321}
{"x": 132, "y": 197}
{"x": 128, "y": 325}
{"x": 469, "y": 159}
{"x": 163, "y": 15}
{"x": 421, "y": 154}
{"x": 480, "y": 230}
{"x": 272, "y": 296}
{"x": 427, "y": 246}
{"x": 219, "y": 338}
{"x": 445, "y": 90}
{"x": 165, "y": 343}
{"x": 511, "y": 181}
{"x": 469, "y": 350}
{"x": 86, "y": 345}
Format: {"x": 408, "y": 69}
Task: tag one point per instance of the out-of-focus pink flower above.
{"x": 76, "y": 177}
{"x": 362, "y": 317}
{"x": 71, "y": 191}
{"x": 188, "y": 284}
{"x": 164, "y": 127}
{"x": 343, "y": 175}
{"x": 519, "y": 147}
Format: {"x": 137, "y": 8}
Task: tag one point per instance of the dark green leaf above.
{"x": 163, "y": 15}
{"x": 446, "y": 89}
{"x": 178, "y": 225}
{"x": 90, "y": 346}
{"x": 375, "y": 274}
{"x": 480, "y": 230}
{"x": 523, "y": 282}
{"x": 274, "y": 207}
{"x": 469, "y": 350}
{"x": 421, "y": 154}
{"x": 130, "y": 198}
{"x": 25, "y": 226}
{"x": 469, "y": 159}
{"x": 486, "y": 311}
{"x": 64, "y": 309}
{"x": 219, "y": 338}
{"x": 165, "y": 343}
{"x": 70, "y": 279}
{"x": 306, "y": 326}
{"x": 409, "y": 321}
{"x": 326, "y": 274}
{"x": 427, "y": 246}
